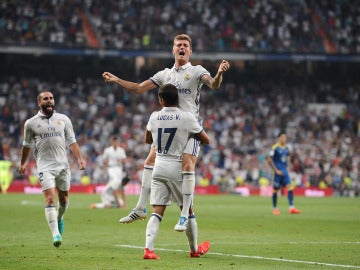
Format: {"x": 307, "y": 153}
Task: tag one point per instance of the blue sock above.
{"x": 274, "y": 199}
{"x": 291, "y": 197}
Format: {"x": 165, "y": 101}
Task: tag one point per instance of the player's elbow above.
{"x": 204, "y": 138}
{"x": 206, "y": 141}
{"x": 214, "y": 86}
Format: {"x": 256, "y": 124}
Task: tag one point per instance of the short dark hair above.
{"x": 169, "y": 93}
{"x": 114, "y": 138}
{"x": 42, "y": 92}
{"x": 281, "y": 132}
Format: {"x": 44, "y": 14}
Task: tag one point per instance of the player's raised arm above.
{"x": 214, "y": 83}
{"x": 132, "y": 87}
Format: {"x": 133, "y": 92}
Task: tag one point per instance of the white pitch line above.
{"x": 251, "y": 257}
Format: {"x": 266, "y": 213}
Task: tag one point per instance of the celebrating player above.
{"x": 188, "y": 79}
{"x": 50, "y": 133}
{"x": 168, "y": 130}
{"x": 278, "y": 160}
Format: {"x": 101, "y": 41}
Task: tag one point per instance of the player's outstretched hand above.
{"x": 109, "y": 77}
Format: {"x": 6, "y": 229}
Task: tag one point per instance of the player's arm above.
{"x": 289, "y": 164}
{"x": 148, "y": 137}
{"x": 272, "y": 165}
{"x": 75, "y": 149}
{"x": 25, "y": 153}
{"x": 214, "y": 83}
{"x": 203, "y": 137}
{"x": 105, "y": 163}
{"x": 132, "y": 87}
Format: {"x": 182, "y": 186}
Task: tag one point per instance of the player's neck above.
{"x": 179, "y": 64}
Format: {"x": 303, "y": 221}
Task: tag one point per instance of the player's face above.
{"x": 182, "y": 51}
{"x": 47, "y": 103}
{"x": 282, "y": 139}
{"x": 115, "y": 143}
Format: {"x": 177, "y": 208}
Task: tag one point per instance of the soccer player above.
{"x": 278, "y": 159}
{"x": 50, "y": 133}
{"x": 189, "y": 80}
{"x": 168, "y": 130}
{"x": 113, "y": 158}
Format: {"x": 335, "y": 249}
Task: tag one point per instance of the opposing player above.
{"x": 113, "y": 158}
{"x": 278, "y": 160}
{"x": 189, "y": 80}
{"x": 50, "y": 134}
{"x": 168, "y": 130}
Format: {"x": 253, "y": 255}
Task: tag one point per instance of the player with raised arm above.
{"x": 189, "y": 80}
{"x": 50, "y": 133}
{"x": 168, "y": 130}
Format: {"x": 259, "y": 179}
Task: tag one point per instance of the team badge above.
{"x": 187, "y": 77}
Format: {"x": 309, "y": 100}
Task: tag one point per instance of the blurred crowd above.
{"x": 298, "y": 26}
{"x": 325, "y": 144}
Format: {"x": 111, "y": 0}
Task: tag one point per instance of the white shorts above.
{"x": 115, "y": 173}
{"x": 166, "y": 186}
{"x": 192, "y": 147}
{"x": 55, "y": 178}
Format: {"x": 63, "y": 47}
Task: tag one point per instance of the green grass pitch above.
{"x": 242, "y": 230}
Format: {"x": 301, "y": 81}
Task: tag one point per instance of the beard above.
{"x": 48, "y": 110}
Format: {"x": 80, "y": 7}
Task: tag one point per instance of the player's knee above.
{"x": 50, "y": 200}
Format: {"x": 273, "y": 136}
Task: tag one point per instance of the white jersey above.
{"x": 187, "y": 80}
{"x": 114, "y": 156}
{"x": 171, "y": 129}
{"x": 49, "y": 137}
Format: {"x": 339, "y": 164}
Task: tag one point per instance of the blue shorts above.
{"x": 281, "y": 180}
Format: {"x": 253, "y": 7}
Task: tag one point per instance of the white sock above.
{"x": 100, "y": 205}
{"x": 192, "y": 233}
{"x": 51, "y": 217}
{"x": 188, "y": 186}
{"x": 145, "y": 187}
{"x": 152, "y": 229}
{"x": 62, "y": 209}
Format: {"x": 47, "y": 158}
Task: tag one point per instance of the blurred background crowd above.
{"x": 317, "y": 104}
{"x": 311, "y": 26}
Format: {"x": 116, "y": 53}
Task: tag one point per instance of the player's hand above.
{"x": 22, "y": 169}
{"x": 224, "y": 66}
{"x": 109, "y": 77}
{"x": 278, "y": 172}
{"x": 82, "y": 164}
